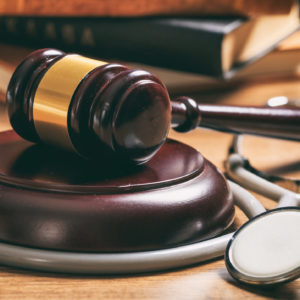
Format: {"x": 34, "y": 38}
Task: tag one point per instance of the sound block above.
{"x": 56, "y": 200}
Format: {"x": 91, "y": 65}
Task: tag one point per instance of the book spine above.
{"x": 143, "y": 7}
{"x": 165, "y": 42}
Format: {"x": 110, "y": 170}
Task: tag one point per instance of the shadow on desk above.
{"x": 285, "y": 291}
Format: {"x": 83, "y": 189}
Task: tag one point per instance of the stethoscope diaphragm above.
{"x": 266, "y": 249}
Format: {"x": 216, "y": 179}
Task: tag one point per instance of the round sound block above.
{"x": 56, "y": 200}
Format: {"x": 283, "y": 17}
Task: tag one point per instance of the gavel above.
{"x": 90, "y": 107}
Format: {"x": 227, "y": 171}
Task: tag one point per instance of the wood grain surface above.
{"x": 143, "y": 7}
{"x": 204, "y": 281}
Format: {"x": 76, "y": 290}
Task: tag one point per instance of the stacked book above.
{"x": 187, "y": 43}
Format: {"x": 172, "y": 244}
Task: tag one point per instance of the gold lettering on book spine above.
{"x": 53, "y": 97}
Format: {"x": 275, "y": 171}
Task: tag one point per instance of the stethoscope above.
{"x": 265, "y": 250}
{"x": 247, "y": 251}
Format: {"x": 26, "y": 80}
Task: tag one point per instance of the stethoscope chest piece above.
{"x": 266, "y": 249}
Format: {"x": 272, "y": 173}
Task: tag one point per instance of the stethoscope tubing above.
{"x": 236, "y": 170}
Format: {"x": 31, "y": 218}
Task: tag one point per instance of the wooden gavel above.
{"x": 90, "y": 106}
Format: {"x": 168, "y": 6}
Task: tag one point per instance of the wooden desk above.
{"x": 204, "y": 281}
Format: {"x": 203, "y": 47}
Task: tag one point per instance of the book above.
{"x": 282, "y": 62}
{"x": 213, "y": 46}
{"x": 131, "y": 8}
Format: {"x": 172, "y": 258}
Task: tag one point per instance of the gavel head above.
{"x": 88, "y": 106}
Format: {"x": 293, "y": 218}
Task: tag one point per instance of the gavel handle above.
{"x": 282, "y": 123}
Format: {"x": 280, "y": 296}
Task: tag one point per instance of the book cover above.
{"x": 213, "y": 46}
